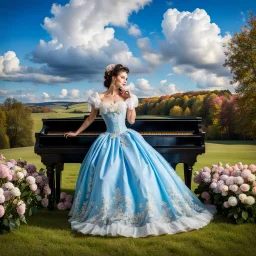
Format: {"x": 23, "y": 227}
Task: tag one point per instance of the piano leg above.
{"x": 59, "y": 168}
{"x": 50, "y": 175}
{"x": 188, "y": 174}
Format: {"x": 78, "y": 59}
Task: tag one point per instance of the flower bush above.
{"x": 231, "y": 188}
{"x": 65, "y": 201}
{"x": 22, "y": 190}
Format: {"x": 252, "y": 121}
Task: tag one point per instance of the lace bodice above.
{"x": 113, "y": 113}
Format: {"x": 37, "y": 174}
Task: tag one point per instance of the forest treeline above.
{"x": 217, "y": 108}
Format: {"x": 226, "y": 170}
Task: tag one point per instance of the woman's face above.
{"x": 121, "y": 79}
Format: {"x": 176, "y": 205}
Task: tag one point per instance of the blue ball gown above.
{"x": 125, "y": 187}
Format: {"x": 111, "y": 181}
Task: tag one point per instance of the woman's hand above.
{"x": 70, "y": 134}
{"x": 125, "y": 93}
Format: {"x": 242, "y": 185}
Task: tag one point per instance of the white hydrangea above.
{"x": 9, "y": 185}
{"x": 1, "y": 191}
{"x": 242, "y": 197}
{"x": 224, "y": 188}
{"x": 20, "y": 175}
{"x": 232, "y": 200}
{"x": 31, "y": 180}
{"x": 233, "y": 188}
{"x": 251, "y": 177}
{"x": 249, "y": 200}
{"x": 239, "y": 180}
{"x": 16, "y": 191}
{"x": 16, "y": 168}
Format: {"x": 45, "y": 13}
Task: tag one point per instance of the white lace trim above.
{"x": 94, "y": 100}
{"x": 183, "y": 224}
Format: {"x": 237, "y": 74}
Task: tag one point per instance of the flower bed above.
{"x": 231, "y": 188}
{"x": 22, "y": 191}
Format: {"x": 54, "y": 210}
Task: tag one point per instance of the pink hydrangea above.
{"x": 33, "y": 187}
{"x": 245, "y": 173}
{"x": 45, "y": 202}
{"x": 254, "y": 191}
{"x": 14, "y": 162}
{"x": 61, "y": 206}
{"x": 21, "y": 209}
{"x": 254, "y": 184}
{"x": 2, "y": 198}
{"x": 205, "y": 195}
{"x": 245, "y": 187}
{"x": 4, "y": 171}
{"x": 69, "y": 198}
{"x": 226, "y": 204}
{"x": 252, "y": 168}
{"x": 31, "y": 180}
{"x": 47, "y": 190}
{"x": 63, "y": 195}
{"x": 213, "y": 185}
{"x": 2, "y": 211}
{"x": 67, "y": 205}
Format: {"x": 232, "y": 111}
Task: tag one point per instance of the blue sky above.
{"x": 169, "y": 46}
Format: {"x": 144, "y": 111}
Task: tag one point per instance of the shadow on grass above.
{"x": 232, "y": 142}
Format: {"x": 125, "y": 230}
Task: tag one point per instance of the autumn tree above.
{"x": 176, "y": 111}
{"x": 241, "y": 59}
{"x": 19, "y": 123}
{"x": 4, "y": 140}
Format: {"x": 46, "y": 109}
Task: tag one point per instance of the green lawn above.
{"x": 48, "y": 232}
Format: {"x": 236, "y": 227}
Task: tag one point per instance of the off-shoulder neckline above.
{"x": 110, "y": 102}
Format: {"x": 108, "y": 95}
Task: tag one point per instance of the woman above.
{"x": 125, "y": 187}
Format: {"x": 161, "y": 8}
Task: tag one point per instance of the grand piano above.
{"x": 178, "y": 140}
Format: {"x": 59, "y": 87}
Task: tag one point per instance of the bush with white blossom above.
{"x": 231, "y": 188}
{"x": 22, "y": 190}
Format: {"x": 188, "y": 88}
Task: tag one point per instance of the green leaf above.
{"x": 6, "y": 222}
{"x": 245, "y": 215}
{"x": 38, "y": 198}
{"x": 18, "y": 222}
{"x": 235, "y": 215}
{"x": 30, "y": 212}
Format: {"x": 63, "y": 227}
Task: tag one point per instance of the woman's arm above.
{"x": 87, "y": 122}
{"x": 131, "y": 115}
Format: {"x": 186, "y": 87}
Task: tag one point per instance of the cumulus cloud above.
{"x": 134, "y": 30}
{"x": 152, "y": 57}
{"x": 162, "y": 82}
{"x": 142, "y": 88}
{"x": 10, "y": 70}
{"x": 83, "y": 41}
{"x": 46, "y": 95}
{"x": 192, "y": 45}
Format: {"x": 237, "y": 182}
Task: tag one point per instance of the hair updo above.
{"x": 108, "y": 74}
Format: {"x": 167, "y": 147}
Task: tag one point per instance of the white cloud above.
{"x": 170, "y": 74}
{"x": 10, "y": 70}
{"x": 147, "y": 53}
{"x": 46, "y": 95}
{"x": 134, "y": 30}
{"x": 192, "y": 43}
{"x": 83, "y": 41}
{"x": 162, "y": 82}
{"x": 169, "y": 3}
{"x": 63, "y": 93}
{"x": 142, "y": 88}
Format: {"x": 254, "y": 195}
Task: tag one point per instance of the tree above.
{"x": 241, "y": 59}
{"x": 19, "y": 123}
{"x": 4, "y": 140}
{"x": 176, "y": 111}
{"x": 186, "y": 112}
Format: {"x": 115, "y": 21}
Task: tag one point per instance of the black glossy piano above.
{"x": 177, "y": 139}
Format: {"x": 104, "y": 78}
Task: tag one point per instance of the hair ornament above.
{"x": 110, "y": 67}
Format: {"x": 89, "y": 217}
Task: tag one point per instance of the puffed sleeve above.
{"x": 93, "y": 100}
{"x": 132, "y": 102}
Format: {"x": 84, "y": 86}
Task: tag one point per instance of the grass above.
{"x": 48, "y": 232}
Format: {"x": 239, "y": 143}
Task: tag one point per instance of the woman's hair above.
{"x": 108, "y": 74}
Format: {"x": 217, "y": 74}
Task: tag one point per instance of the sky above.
{"x": 58, "y": 50}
